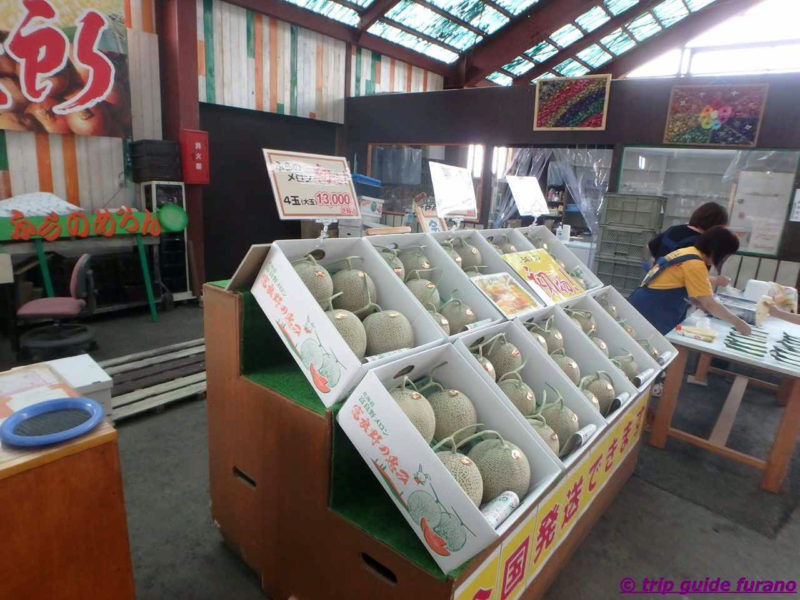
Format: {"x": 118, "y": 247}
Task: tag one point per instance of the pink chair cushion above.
{"x": 52, "y": 307}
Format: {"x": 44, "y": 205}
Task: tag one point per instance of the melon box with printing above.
{"x": 438, "y": 490}
{"x": 538, "y": 236}
{"x": 546, "y": 382}
{"x": 329, "y": 345}
{"x": 456, "y": 299}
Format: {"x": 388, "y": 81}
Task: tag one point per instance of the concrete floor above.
{"x": 647, "y": 532}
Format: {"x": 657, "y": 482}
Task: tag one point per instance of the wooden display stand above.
{"x": 63, "y": 532}
{"x": 270, "y": 466}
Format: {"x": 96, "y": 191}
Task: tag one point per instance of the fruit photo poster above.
{"x": 64, "y": 67}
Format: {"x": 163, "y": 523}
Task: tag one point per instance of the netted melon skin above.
{"x": 453, "y": 412}
{"x": 425, "y": 291}
{"x": 563, "y": 421}
{"x": 355, "y": 296}
{"x": 386, "y": 331}
{"x": 418, "y": 410}
{"x": 317, "y": 279}
{"x": 465, "y": 473}
{"x": 547, "y": 434}
{"x": 351, "y": 329}
{"x": 520, "y": 394}
{"x": 505, "y": 357}
{"x": 503, "y": 467}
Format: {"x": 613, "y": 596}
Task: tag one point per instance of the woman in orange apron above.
{"x": 681, "y": 278}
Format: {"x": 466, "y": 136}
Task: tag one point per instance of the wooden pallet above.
{"x": 150, "y": 380}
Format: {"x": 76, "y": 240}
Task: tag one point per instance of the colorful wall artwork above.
{"x": 715, "y": 115}
{"x": 571, "y": 103}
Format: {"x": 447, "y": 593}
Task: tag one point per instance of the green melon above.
{"x": 584, "y": 319}
{"x": 561, "y": 419}
{"x": 453, "y": 411}
{"x": 539, "y": 339}
{"x": 447, "y": 245}
{"x": 552, "y": 336}
{"x": 609, "y": 308}
{"x": 414, "y": 259}
{"x": 591, "y": 398}
{"x": 503, "y": 466}
{"x": 458, "y": 314}
{"x": 506, "y": 246}
{"x": 504, "y": 355}
{"x": 627, "y": 364}
{"x": 417, "y": 409}
{"x": 546, "y": 432}
{"x": 629, "y": 329}
{"x": 315, "y": 277}
{"x": 470, "y": 255}
{"x": 351, "y": 329}
{"x": 600, "y": 343}
{"x": 487, "y": 366}
{"x": 601, "y": 385}
{"x": 425, "y": 291}
{"x": 394, "y": 262}
{"x": 388, "y": 330}
{"x": 568, "y": 365}
{"x": 440, "y": 319}
{"x": 354, "y": 289}
{"x": 465, "y": 472}
{"x": 520, "y": 394}
{"x": 650, "y": 349}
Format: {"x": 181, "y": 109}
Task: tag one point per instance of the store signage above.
{"x": 760, "y": 205}
{"x": 102, "y": 223}
{"x": 528, "y": 195}
{"x": 454, "y": 191}
{"x": 311, "y": 186}
{"x": 64, "y": 67}
{"x": 194, "y": 156}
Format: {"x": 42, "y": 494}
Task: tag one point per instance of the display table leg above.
{"x": 669, "y": 399}
{"x": 784, "y": 390}
{"x": 785, "y": 440}
{"x": 700, "y": 376}
{"x": 724, "y": 424}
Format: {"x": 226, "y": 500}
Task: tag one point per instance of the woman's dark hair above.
{"x": 718, "y": 243}
{"x": 709, "y": 215}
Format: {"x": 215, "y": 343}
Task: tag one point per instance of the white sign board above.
{"x": 528, "y": 196}
{"x": 311, "y": 186}
{"x": 454, "y": 191}
{"x": 759, "y": 210}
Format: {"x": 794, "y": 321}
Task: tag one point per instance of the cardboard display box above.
{"x": 448, "y": 277}
{"x": 327, "y": 361}
{"x": 275, "y": 499}
{"x": 538, "y": 372}
{"x": 412, "y": 474}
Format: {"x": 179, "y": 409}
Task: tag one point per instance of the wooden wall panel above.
{"x": 91, "y": 172}
{"x": 374, "y": 73}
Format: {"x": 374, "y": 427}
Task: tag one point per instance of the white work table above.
{"x": 788, "y": 394}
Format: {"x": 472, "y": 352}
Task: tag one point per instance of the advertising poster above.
{"x": 544, "y": 274}
{"x": 64, "y": 67}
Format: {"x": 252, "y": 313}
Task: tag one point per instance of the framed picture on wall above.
{"x": 571, "y": 103}
{"x": 429, "y": 221}
{"x": 715, "y": 115}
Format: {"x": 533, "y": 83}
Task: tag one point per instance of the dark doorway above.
{"x": 238, "y": 205}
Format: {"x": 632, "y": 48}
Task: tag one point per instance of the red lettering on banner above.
{"x": 104, "y": 223}
{"x": 625, "y": 436}
{"x": 593, "y": 470}
{"x": 39, "y": 48}
{"x": 128, "y": 222}
{"x": 151, "y": 225}
{"x": 5, "y": 97}
{"x": 50, "y": 229}
{"x": 573, "y": 501}
{"x": 610, "y": 456}
{"x": 78, "y": 225}
{"x": 23, "y": 228}
{"x": 547, "y": 531}
{"x": 514, "y": 572}
{"x": 91, "y": 25}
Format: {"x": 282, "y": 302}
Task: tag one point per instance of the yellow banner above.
{"x": 543, "y": 274}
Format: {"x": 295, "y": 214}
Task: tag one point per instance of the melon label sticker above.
{"x": 479, "y": 324}
{"x": 385, "y": 354}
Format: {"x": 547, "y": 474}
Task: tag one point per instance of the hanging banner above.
{"x": 454, "y": 191}
{"x": 64, "y": 67}
{"x": 528, "y": 195}
{"x": 311, "y": 186}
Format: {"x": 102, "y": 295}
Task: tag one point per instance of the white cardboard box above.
{"x": 523, "y": 239}
{"x": 405, "y": 465}
{"x": 448, "y": 277}
{"x": 306, "y": 330}
{"x": 644, "y": 329}
{"x": 589, "y": 357}
{"x": 538, "y": 370}
{"x": 86, "y": 377}
{"x": 617, "y": 339}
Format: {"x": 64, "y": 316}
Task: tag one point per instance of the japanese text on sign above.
{"x": 453, "y": 191}
{"x": 311, "y": 186}
{"x": 104, "y": 222}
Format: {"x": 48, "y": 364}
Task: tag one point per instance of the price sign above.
{"x": 528, "y": 196}
{"x": 454, "y": 191}
{"x": 311, "y": 186}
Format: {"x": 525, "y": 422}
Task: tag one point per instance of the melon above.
{"x": 539, "y": 339}
{"x": 545, "y": 432}
{"x": 609, "y": 308}
{"x": 447, "y": 245}
{"x": 584, "y": 319}
{"x": 591, "y": 398}
{"x": 650, "y": 349}
{"x": 504, "y": 355}
{"x": 487, "y": 366}
{"x": 414, "y": 259}
{"x": 568, "y": 365}
{"x": 454, "y": 413}
{"x": 629, "y": 329}
{"x": 601, "y": 385}
{"x": 470, "y": 255}
{"x": 519, "y": 392}
{"x": 600, "y": 343}
{"x": 458, "y": 314}
{"x": 627, "y": 364}
{"x": 502, "y": 465}
{"x": 417, "y": 409}
{"x": 465, "y": 472}
{"x": 394, "y": 262}
{"x": 315, "y": 277}
{"x": 351, "y": 329}
{"x": 387, "y": 330}
{"x": 440, "y": 319}
{"x": 425, "y": 291}
{"x": 552, "y": 336}
{"x": 354, "y": 289}
{"x": 576, "y": 276}
{"x": 506, "y": 246}
{"x": 561, "y": 419}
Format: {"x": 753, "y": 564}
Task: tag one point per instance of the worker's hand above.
{"x": 742, "y": 327}
{"x": 723, "y": 280}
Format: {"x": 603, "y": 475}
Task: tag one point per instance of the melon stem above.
{"x": 330, "y": 300}
{"x": 306, "y": 258}
{"x": 452, "y": 437}
{"x": 515, "y": 372}
{"x": 347, "y": 259}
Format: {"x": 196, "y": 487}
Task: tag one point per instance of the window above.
{"x": 500, "y": 78}
{"x": 432, "y": 24}
{"x": 398, "y": 36}
{"x": 594, "y": 56}
{"x": 618, "y": 42}
{"x": 542, "y": 51}
{"x": 518, "y": 66}
{"x": 566, "y": 35}
{"x": 644, "y": 26}
{"x": 592, "y": 19}
{"x": 571, "y": 68}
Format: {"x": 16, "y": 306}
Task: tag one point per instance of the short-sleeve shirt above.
{"x": 677, "y": 236}
{"x": 691, "y": 274}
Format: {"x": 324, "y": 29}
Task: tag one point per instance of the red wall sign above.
{"x": 194, "y": 156}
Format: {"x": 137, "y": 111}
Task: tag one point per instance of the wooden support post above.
{"x": 669, "y": 399}
{"x": 785, "y": 440}
{"x": 724, "y": 424}
{"x": 700, "y": 376}
{"x": 784, "y": 390}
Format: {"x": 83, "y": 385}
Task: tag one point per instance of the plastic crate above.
{"x": 624, "y": 275}
{"x": 629, "y": 210}
{"x": 624, "y": 243}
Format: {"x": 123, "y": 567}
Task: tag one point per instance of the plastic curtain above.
{"x": 780, "y": 161}
{"x": 528, "y": 162}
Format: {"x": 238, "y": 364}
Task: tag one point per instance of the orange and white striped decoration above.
{"x": 373, "y": 73}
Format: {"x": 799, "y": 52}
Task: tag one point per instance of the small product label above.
{"x": 478, "y": 324}
{"x": 385, "y": 354}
